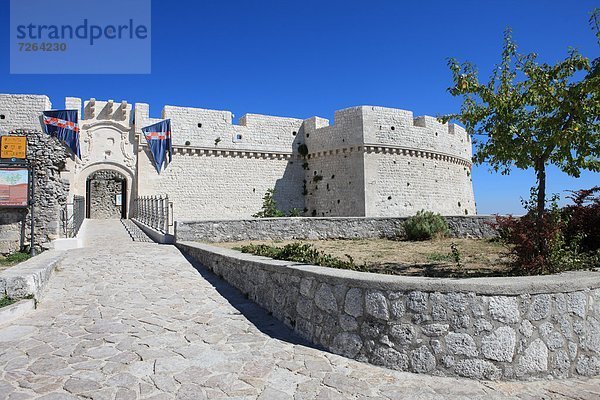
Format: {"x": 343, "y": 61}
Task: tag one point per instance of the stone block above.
{"x": 500, "y": 344}
{"x": 376, "y": 305}
{"x": 461, "y": 344}
{"x": 504, "y": 309}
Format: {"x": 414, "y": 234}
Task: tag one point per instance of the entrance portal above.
{"x": 106, "y": 194}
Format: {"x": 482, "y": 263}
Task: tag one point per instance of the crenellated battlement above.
{"x": 371, "y": 161}
{"x": 387, "y": 127}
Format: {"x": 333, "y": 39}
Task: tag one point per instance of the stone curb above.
{"x": 30, "y": 278}
{"x": 16, "y": 310}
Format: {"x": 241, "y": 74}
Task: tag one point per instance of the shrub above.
{"x": 14, "y": 258}
{"x": 6, "y": 301}
{"x": 294, "y": 212}
{"x": 269, "y": 208}
{"x": 302, "y": 253}
{"x": 583, "y": 220}
{"x": 425, "y": 225}
{"x": 559, "y": 240}
{"x": 535, "y": 243}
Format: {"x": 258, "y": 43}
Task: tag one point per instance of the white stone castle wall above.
{"x": 393, "y": 127}
{"x": 373, "y": 161}
{"x": 22, "y": 111}
{"x": 220, "y": 185}
{"x": 386, "y": 163}
{"x": 335, "y": 156}
{"x": 201, "y": 128}
{"x": 401, "y": 185}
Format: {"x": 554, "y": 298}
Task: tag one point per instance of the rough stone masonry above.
{"x": 484, "y": 328}
{"x": 49, "y": 159}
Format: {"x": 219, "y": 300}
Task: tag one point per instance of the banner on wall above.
{"x": 158, "y": 137}
{"x": 63, "y": 125}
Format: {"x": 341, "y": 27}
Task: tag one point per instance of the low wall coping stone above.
{"x": 30, "y": 277}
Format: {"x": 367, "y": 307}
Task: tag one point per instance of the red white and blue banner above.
{"x": 158, "y": 137}
{"x": 62, "y": 124}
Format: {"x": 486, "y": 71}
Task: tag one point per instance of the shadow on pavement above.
{"x": 257, "y": 315}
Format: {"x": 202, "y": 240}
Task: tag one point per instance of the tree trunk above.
{"x": 540, "y": 170}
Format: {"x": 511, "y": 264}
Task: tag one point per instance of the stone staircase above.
{"x": 137, "y": 235}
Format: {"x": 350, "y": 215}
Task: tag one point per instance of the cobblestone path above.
{"x": 127, "y": 320}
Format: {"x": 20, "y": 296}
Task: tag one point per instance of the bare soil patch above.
{"x": 476, "y": 257}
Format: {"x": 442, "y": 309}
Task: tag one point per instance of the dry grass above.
{"x": 478, "y": 257}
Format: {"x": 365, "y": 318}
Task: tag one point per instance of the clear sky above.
{"x": 308, "y": 57}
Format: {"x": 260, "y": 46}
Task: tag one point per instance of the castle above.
{"x": 372, "y": 161}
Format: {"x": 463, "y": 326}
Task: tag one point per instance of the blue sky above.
{"x": 308, "y": 57}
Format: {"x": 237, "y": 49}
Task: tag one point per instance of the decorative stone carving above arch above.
{"x": 107, "y": 141}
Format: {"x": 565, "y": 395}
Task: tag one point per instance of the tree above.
{"x": 532, "y": 114}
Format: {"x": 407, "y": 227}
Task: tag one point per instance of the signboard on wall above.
{"x": 14, "y": 187}
{"x": 13, "y": 147}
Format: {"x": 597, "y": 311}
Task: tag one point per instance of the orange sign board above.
{"x": 13, "y": 147}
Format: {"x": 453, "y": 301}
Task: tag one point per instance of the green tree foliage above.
{"x": 532, "y": 114}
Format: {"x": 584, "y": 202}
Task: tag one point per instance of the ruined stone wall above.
{"x": 104, "y": 188}
{"x": 50, "y": 195}
{"x": 482, "y": 328}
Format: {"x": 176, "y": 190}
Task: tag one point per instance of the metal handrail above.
{"x": 154, "y": 211}
{"x": 71, "y": 223}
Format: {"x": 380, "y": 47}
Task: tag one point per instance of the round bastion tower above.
{"x": 382, "y": 162}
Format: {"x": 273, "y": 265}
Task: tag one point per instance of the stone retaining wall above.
{"x": 481, "y": 328}
{"x": 50, "y": 196}
{"x": 319, "y": 228}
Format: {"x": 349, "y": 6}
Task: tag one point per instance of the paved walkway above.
{"x": 128, "y": 320}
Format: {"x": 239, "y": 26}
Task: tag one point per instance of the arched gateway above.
{"x": 106, "y": 195}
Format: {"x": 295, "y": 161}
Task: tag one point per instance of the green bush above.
{"x": 270, "y": 210}
{"x": 302, "y": 253}
{"x": 425, "y": 225}
{"x": 6, "y": 301}
{"x": 269, "y": 207}
{"x": 18, "y": 257}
